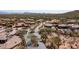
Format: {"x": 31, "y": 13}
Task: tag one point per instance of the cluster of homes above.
{"x": 10, "y": 27}
{"x": 69, "y": 27}
{"x": 10, "y": 39}
{"x": 67, "y": 31}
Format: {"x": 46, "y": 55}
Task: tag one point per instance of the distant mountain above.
{"x": 13, "y": 12}
{"x": 2, "y": 12}
{"x": 76, "y": 12}
{"x": 67, "y": 15}
{"x": 28, "y": 12}
{"x": 72, "y": 14}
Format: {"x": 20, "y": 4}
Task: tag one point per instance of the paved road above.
{"x": 41, "y": 46}
{"x": 28, "y": 40}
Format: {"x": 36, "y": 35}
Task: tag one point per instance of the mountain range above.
{"x": 71, "y": 14}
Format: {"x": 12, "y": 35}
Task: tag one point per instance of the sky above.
{"x": 39, "y": 6}
{"x": 34, "y": 11}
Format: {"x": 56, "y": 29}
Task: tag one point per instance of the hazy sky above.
{"x": 39, "y": 6}
{"x": 36, "y": 11}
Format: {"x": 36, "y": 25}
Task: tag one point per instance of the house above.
{"x": 40, "y": 20}
{"x": 2, "y": 23}
{"x": 75, "y": 28}
{"x": 3, "y": 36}
{"x": 48, "y": 25}
{"x": 11, "y": 42}
{"x": 21, "y": 24}
{"x": 55, "y": 21}
{"x": 22, "y": 19}
{"x": 30, "y": 19}
{"x": 29, "y": 23}
{"x": 63, "y": 26}
{"x": 13, "y": 32}
{"x": 64, "y": 29}
{"x": 78, "y": 21}
{"x": 71, "y": 21}
{"x": 6, "y": 19}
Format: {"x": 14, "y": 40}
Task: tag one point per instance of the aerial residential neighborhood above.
{"x": 39, "y": 31}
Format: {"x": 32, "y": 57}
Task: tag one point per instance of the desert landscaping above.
{"x": 39, "y": 31}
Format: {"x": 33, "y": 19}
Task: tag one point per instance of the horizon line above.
{"x": 36, "y": 11}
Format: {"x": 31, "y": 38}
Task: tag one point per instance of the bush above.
{"x": 45, "y": 31}
{"x": 56, "y": 41}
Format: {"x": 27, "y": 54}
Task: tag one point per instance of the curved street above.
{"x": 36, "y": 33}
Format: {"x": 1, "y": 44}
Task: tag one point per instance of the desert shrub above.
{"x": 34, "y": 40}
{"x": 56, "y": 42}
{"x": 45, "y": 30}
